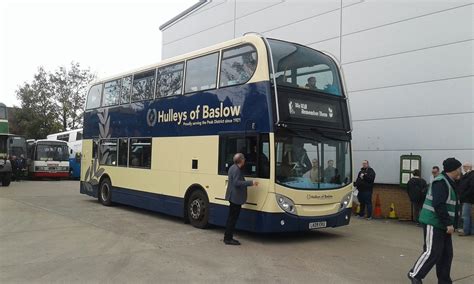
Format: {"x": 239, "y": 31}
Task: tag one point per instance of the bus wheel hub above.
{"x": 195, "y": 209}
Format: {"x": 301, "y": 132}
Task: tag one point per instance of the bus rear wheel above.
{"x": 105, "y": 192}
{"x": 198, "y": 209}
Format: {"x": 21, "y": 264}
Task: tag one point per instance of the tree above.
{"x": 69, "y": 87}
{"x": 37, "y": 116}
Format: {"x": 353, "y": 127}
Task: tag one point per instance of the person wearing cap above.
{"x": 439, "y": 218}
{"x": 236, "y": 194}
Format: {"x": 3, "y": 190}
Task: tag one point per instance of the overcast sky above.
{"x": 109, "y": 36}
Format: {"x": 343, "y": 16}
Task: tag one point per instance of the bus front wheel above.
{"x": 198, "y": 209}
{"x": 105, "y": 192}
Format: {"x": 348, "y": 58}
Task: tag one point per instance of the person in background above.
{"x": 311, "y": 83}
{"x": 314, "y": 173}
{"x": 434, "y": 173}
{"x": 416, "y": 189}
{"x": 236, "y": 194}
{"x": 330, "y": 172}
{"x": 365, "y": 185}
{"x": 466, "y": 191}
{"x": 439, "y": 218}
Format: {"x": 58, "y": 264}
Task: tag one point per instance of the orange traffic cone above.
{"x": 378, "y": 209}
{"x": 392, "y": 214}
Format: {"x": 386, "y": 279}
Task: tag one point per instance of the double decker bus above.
{"x": 48, "y": 159}
{"x": 162, "y": 137}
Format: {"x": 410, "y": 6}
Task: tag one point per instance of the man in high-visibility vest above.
{"x": 438, "y": 216}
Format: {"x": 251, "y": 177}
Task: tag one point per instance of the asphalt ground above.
{"x": 49, "y": 232}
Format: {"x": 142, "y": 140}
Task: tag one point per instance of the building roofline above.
{"x": 184, "y": 13}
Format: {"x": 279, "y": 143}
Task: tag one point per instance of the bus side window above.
{"x": 169, "y": 80}
{"x": 95, "y": 146}
{"x": 237, "y": 65}
{"x": 78, "y": 136}
{"x": 108, "y": 152}
{"x": 123, "y": 152}
{"x": 126, "y": 88}
{"x": 201, "y": 73}
{"x": 140, "y": 153}
{"x": 111, "y": 94}
{"x": 94, "y": 97}
{"x": 143, "y": 86}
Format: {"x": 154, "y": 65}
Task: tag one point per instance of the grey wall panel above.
{"x": 373, "y": 13}
{"x": 415, "y": 133}
{"x": 208, "y": 17}
{"x": 414, "y": 100}
{"x": 200, "y": 40}
{"x": 283, "y": 14}
{"x": 443, "y": 62}
{"x": 387, "y": 163}
{"x": 311, "y": 30}
{"x": 246, "y": 7}
{"x": 404, "y": 36}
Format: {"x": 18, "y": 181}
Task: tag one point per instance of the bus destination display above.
{"x": 307, "y": 109}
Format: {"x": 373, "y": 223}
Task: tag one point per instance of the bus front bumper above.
{"x": 50, "y": 174}
{"x": 264, "y": 222}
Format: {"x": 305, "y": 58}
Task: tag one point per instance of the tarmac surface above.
{"x": 49, "y": 232}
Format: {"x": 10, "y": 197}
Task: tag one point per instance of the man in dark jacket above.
{"x": 466, "y": 191}
{"x": 236, "y": 194}
{"x": 365, "y": 186}
{"x": 439, "y": 218}
{"x": 416, "y": 189}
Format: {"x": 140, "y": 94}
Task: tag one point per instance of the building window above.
{"x": 108, "y": 152}
{"x": 169, "y": 80}
{"x": 257, "y": 162}
{"x": 126, "y": 89}
{"x": 94, "y": 96}
{"x": 238, "y": 65}
{"x": 201, "y": 73}
{"x": 143, "y": 85}
{"x": 140, "y": 153}
{"x": 111, "y": 94}
{"x": 123, "y": 152}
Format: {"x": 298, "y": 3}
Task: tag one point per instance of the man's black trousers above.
{"x": 234, "y": 212}
{"x": 438, "y": 249}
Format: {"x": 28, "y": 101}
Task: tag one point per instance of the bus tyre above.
{"x": 6, "y": 179}
{"x": 105, "y": 192}
{"x": 198, "y": 209}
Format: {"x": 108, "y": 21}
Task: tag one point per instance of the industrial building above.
{"x": 408, "y": 66}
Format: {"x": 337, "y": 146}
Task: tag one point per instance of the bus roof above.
{"x": 50, "y": 141}
{"x": 249, "y": 38}
{"x": 66, "y": 132}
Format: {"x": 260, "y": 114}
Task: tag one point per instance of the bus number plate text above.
{"x": 316, "y": 225}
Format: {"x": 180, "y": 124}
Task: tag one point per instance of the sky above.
{"x": 108, "y": 36}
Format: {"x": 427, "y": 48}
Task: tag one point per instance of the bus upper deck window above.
{"x": 238, "y": 65}
{"x": 111, "y": 94}
{"x": 94, "y": 97}
{"x": 201, "y": 73}
{"x": 169, "y": 80}
{"x": 126, "y": 89}
{"x": 143, "y": 86}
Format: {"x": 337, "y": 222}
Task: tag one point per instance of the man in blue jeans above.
{"x": 466, "y": 192}
{"x": 365, "y": 186}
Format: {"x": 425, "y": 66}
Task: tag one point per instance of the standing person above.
{"x": 434, "y": 173}
{"x": 365, "y": 185}
{"x": 236, "y": 194}
{"x": 466, "y": 190}
{"x": 416, "y": 188}
{"x": 439, "y": 217}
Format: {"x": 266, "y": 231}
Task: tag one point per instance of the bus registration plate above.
{"x": 316, "y": 225}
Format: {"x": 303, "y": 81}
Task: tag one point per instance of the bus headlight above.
{"x": 286, "y": 204}
{"x": 346, "y": 200}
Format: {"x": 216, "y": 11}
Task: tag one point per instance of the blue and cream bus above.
{"x": 162, "y": 137}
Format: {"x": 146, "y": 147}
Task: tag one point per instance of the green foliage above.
{"x": 53, "y": 101}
